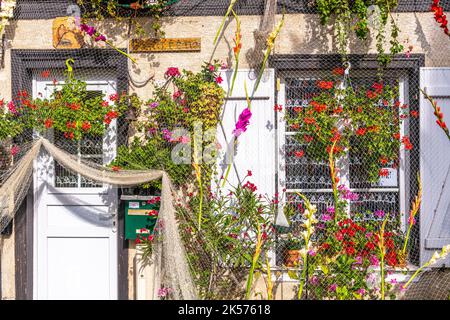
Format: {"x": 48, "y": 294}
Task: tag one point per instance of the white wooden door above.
{"x": 434, "y": 165}
{"x": 75, "y": 236}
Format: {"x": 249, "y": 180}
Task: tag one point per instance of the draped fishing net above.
{"x": 81, "y": 111}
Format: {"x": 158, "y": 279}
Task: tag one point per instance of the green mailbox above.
{"x": 141, "y": 214}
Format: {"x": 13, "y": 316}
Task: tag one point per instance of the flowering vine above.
{"x": 439, "y": 16}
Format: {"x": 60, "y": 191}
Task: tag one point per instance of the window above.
{"x": 312, "y": 178}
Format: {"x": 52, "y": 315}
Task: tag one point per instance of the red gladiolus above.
{"x": 439, "y": 16}
{"x": 383, "y": 160}
{"x": 397, "y": 135}
{"x": 115, "y": 168}
{"x": 298, "y": 109}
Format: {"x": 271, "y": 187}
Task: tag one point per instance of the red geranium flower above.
{"x": 86, "y": 126}
{"x": 299, "y": 154}
{"x": 173, "y": 72}
{"x": 361, "y": 131}
{"x": 338, "y": 71}
{"x": 48, "y": 123}
{"x": 325, "y": 84}
{"x": 309, "y": 120}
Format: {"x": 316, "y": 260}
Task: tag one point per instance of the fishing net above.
{"x": 298, "y": 177}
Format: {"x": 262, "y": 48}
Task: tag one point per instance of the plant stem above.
{"x": 230, "y": 7}
{"x": 120, "y": 51}
{"x": 269, "y": 279}
{"x": 254, "y": 261}
{"x": 333, "y": 181}
{"x": 415, "y": 275}
{"x": 302, "y": 279}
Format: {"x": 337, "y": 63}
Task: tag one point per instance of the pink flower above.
{"x": 100, "y": 38}
{"x": 15, "y": 150}
{"x": 312, "y": 253}
{"x": 326, "y": 217}
{"x": 394, "y": 281}
{"x": 219, "y": 80}
{"x": 177, "y": 94}
{"x": 88, "y": 29}
{"x": 333, "y": 287}
{"x": 379, "y": 213}
{"x": 359, "y": 260}
{"x": 184, "y": 139}
{"x": 243, "y": 122}
{"x": 153, "y": 105}
{"x": 12, "y": 107}
{"x": 361, "y": 292}
{"x": 212, "y": 68}
{"x": 314, "y": 280}
{"x": 374, "y": 261}
{"x": 173, "y": 72}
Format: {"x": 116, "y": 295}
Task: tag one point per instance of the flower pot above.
{"x": 291, "y": 258}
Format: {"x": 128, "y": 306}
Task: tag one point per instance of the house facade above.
{"x": 43, "y": 246}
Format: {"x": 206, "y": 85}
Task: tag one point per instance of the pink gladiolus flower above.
{"x": 243, "y": 122}
{"x": 100, "y": 38}
{"x": 88, "y": 29}
{"x": 333, "y": 287}
{"x": 153, "y": 105}
{"x": 361, "y": 292}
{"x": 326, "y": 217}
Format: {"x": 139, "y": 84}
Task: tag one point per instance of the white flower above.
{"x": 436, "y": 256}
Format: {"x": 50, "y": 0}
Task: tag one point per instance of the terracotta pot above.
{"x": 291, "y": 258}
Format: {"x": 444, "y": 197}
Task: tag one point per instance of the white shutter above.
{"x": 435, "y": 164}
{"x": 256, "y": 147}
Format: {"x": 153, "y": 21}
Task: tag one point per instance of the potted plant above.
{"x": 292, "y": 249}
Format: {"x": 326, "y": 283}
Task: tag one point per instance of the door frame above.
{"x": 23, "y": 62}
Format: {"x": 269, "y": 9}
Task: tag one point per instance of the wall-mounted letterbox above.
{"x": 141, "y": 214}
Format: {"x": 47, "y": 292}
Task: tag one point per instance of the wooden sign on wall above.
{"x": 166, "y": 45}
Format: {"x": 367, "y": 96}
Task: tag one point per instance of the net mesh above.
{"x": 138, "y": 122}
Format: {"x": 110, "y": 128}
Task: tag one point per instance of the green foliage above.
{"x": 72, "y": 110}
{"x": 169, "y": 122}
{"x": 353, "y": 15}
{"x": 143, "y": 154}
{"x": 10, "y": 124}
{"x": 363, "y": 122}
{"x": 228, "y": 236}
{"x": 101, "y": 9}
